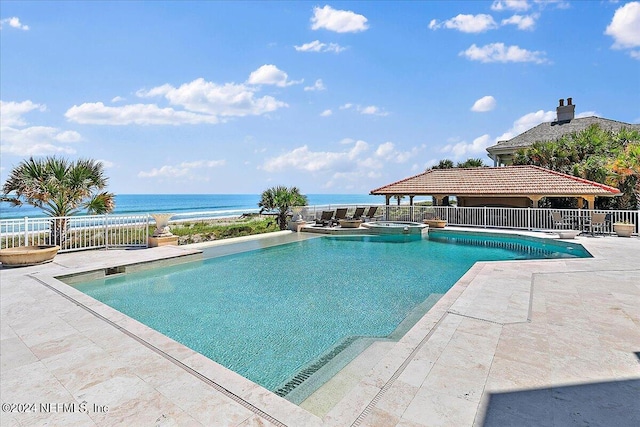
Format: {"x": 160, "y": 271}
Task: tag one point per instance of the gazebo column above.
{"x": 387, "y": 198}
{"x": 411, "y": 206}
{"x": 591, "y": 202}
{"x": 535, "y": 200}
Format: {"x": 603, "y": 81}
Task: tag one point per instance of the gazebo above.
{"x": 509, "y": 186}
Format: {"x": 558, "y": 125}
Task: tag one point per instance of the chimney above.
{"x": 565, "y": 113}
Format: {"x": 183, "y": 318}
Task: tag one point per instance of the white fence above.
{"x": 490, "y": 217}
{"x": 73, "y": 233}
{"x": 115, "y": 231}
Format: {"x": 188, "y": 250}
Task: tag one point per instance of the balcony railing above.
{"x": 73, "y": 233}
{"x": 492, "y": 217}
{"x": 116, "y": 231}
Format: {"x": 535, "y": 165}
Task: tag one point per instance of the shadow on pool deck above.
{"x": 610, "y": 403}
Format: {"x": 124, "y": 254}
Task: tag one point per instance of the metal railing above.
{"x": 492, "y": 217}
{"x": 73, "y": 233}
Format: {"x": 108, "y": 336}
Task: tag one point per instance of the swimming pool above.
{"x": 273, "y": 313}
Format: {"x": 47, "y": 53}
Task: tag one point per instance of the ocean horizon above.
{"x": 185, "y": 206}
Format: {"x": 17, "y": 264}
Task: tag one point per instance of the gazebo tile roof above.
{"x": 508, "y": 180}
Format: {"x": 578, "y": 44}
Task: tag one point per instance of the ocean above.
{"x": 186, "y": 206}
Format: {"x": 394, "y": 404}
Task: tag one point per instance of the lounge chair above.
{"x": 371, "y": 214}
{"x": 325, "y": 219}
{"x": 341, "y": 213}
{"x": 358, "y": 213}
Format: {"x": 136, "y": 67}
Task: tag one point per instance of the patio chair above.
{"x": 325, "y": 219}
{"x": 559, "y": 221}
{"x": 341, "y": 213}
{"x": 358, "y": 213}
{"x": 596, "y": 223}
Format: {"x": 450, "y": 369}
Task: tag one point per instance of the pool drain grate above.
{"x": 307, "y": 372}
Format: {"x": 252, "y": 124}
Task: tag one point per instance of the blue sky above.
{"x": 339, "y": 97}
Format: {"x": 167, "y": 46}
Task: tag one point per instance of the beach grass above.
{"x": 214, "y": 229}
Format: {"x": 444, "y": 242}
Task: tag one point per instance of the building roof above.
{"x": 497, "y": 181}
{"x": 551, "y": 131}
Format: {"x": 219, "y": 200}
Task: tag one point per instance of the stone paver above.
{"x": 553, "y": 342}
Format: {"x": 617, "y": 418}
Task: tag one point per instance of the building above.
{"x": 565, "y": 123}
{"x": 510, "y": 186}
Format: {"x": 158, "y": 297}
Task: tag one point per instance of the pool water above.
{"x": 268, "y": 314}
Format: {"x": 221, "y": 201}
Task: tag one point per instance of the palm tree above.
{"x": 625, "y": 170}
{"x": 443, "y": 164}
{"x": 471, "y": 163}
{"x": 281, "y": 199}
{"x": 60, "y": 188}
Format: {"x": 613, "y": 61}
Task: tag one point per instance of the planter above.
{"x": 23, "y": 256}
{"x": 162, "y": 224}
{"x": 568, "y": 234}
{"x": 435, "y": 223}
{"x": 624, "y": 230}
{"x": 350, "y": 223}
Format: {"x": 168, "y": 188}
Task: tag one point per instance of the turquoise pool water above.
{"x": 268, "y": 314}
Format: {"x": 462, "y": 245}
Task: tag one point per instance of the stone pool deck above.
{"x": 549, "y": 342}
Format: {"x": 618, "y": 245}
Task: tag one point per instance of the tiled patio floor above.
{"x": 554, "y": 342}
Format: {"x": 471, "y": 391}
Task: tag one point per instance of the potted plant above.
{"x": 436, "y": 222}
{"x": 624, "y": 228}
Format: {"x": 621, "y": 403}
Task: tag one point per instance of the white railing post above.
{"x": 484, "y": 220}
{"x": 26, "y": 231}
{"x": 106, "y": 232}
{"x": 528, "y": 218}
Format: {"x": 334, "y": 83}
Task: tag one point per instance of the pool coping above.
{"x": 353, "y": 409}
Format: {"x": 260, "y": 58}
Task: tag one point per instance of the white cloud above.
{"x": 484, "y": 104}
{"x": 625, "y": 28}
{"x": 96, "y": 113}
{"x": 107, "y": 164}
{"x": 318, "y": 85}
{"x": 326, "y": 113}
{"x": 182, "y": 170}
{"x": 302, "y": 158}
{"x": 37, "y": 140}
{"x": 34, "y": 140}
{"x": 269, "y": 74}
{"x": 206, "y": 97}
{"x": 518, "y": 5}
{"x": 356, "y": 163}
{"x": 372, "y": 110}
{"x": 368, "y": 110}
{"x": 498, "y": 52}
{"x": 526, "y": 22}
{"x": 317, "y": 46}
{"x": 463, "y": 148}
{"x": 14, "y": 22}
{"x": 466, "y": 23}
{"x": 340, "y": 21}
{"x": 11, "y": 112}
{"x": 559, "y": 4}
{"x": 117, "y": 99}
{"x": 526, "y": 122}
{"x": 199, "y": 101}
{"x": 388, "y": 152}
